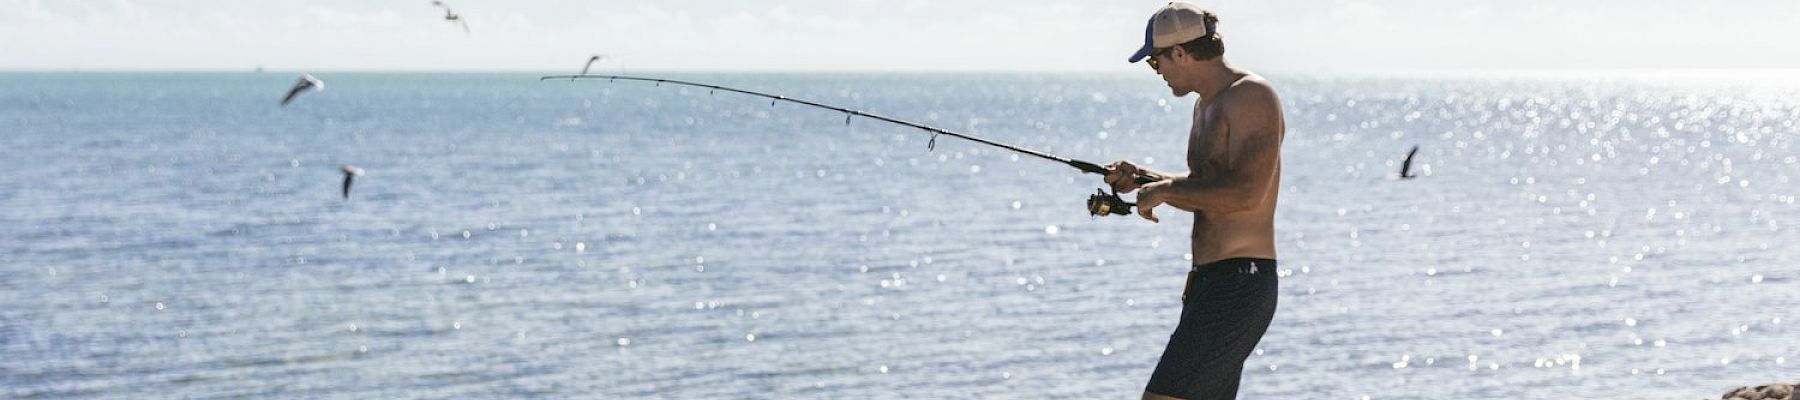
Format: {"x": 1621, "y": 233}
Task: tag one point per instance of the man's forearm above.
{"x": 1214, "y": 194}
{"x": 1165, "y": 175}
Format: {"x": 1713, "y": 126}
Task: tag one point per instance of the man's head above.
{"x": 1193, "y": 28}
{"x": 1184, "y": 34}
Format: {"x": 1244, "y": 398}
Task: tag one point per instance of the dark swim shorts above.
{"x": 1225, "y": 310}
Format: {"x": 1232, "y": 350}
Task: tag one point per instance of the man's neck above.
{"x": 1215, "y": 77}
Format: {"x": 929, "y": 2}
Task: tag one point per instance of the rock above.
{"x": 1777, "y": 391}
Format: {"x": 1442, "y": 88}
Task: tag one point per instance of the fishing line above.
{"x": 1100, "y": 203}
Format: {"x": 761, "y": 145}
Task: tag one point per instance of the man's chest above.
{"x": 1208, "y": 141}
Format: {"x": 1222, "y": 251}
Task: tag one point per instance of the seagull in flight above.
{"x": 590, "y": 63}
{"x": 350, "y": 173}
{"x": 1406, "y": 166}
{"x": 307, "y": 81}
{"x": 452, "y": 16}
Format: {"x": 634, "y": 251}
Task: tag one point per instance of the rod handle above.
{"x": 1143, "y": 177}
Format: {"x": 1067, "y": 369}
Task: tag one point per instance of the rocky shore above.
{"x": 1779, "y": 391}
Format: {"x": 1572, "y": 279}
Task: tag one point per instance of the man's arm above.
{"x": 1123, "y": 177}
{"x": 1241, "y": 179}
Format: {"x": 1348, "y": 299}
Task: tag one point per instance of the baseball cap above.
{"x": 1174, "y": 24}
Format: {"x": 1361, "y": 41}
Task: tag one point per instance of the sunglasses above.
{"x": 1154, "y": 56}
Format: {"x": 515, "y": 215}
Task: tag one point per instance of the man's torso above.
{"x": 1248, "y": 233}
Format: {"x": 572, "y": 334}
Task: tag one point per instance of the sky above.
{"x": 887, "y": 35}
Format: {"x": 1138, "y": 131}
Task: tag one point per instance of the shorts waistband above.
{"x": 1222, "y": 268}
{"x": 1233, "y": 266}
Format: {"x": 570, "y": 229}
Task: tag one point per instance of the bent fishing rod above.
{"x": 1101, "y": 203}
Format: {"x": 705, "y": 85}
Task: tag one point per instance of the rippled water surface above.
{"x": 179, "y": 235}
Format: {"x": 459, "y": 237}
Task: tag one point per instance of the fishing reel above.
{"x": 1106, "y": 202}
{"x": 1103, "y": 203}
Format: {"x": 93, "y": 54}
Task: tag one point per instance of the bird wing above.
{"x": 298, "y": 87}
{"x": 348, "y": 177}
{"x": 1406, "y": 166}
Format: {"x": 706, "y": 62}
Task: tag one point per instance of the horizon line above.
{"x": 1358, "y": 71}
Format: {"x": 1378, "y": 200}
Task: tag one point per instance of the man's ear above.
{"x": 1178, "y": 52}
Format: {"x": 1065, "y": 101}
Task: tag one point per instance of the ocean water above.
{"x": 179, "y": 235}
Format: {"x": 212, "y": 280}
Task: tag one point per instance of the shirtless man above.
{"x": 1234, "y": 155}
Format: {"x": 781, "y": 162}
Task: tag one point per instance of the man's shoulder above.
{"x": 1251, "y": 97}
{"x": 1251, "y": 88}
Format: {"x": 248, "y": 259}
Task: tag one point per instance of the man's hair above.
{"x": 1206, "y": 47}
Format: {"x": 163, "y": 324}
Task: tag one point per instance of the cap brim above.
{"x": 1149, "y": 46}
{"x": 1142, "y": 53}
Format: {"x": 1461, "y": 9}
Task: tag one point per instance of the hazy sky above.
{"x": 869, "y": 35}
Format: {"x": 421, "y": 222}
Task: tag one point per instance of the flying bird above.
{"x": 307, "y": 81}
{"x": 350, "y": 174}
{"x": 590, "y": 63}
{"x": 1406, "y": 166}
{"x": 452, "y": 16}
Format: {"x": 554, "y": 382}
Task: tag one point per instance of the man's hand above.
{"x": 1123, "y": 177}
{"x": 1149, "y": 198}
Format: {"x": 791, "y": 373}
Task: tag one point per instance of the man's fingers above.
{"x": 1123, "y": 185}
{"x": 1122, "y": 176}
{"x": 1148, "y": 213}
{"x": 1147, "y": 208}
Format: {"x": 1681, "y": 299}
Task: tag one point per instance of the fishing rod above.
{"x": 1101, "y": 203}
